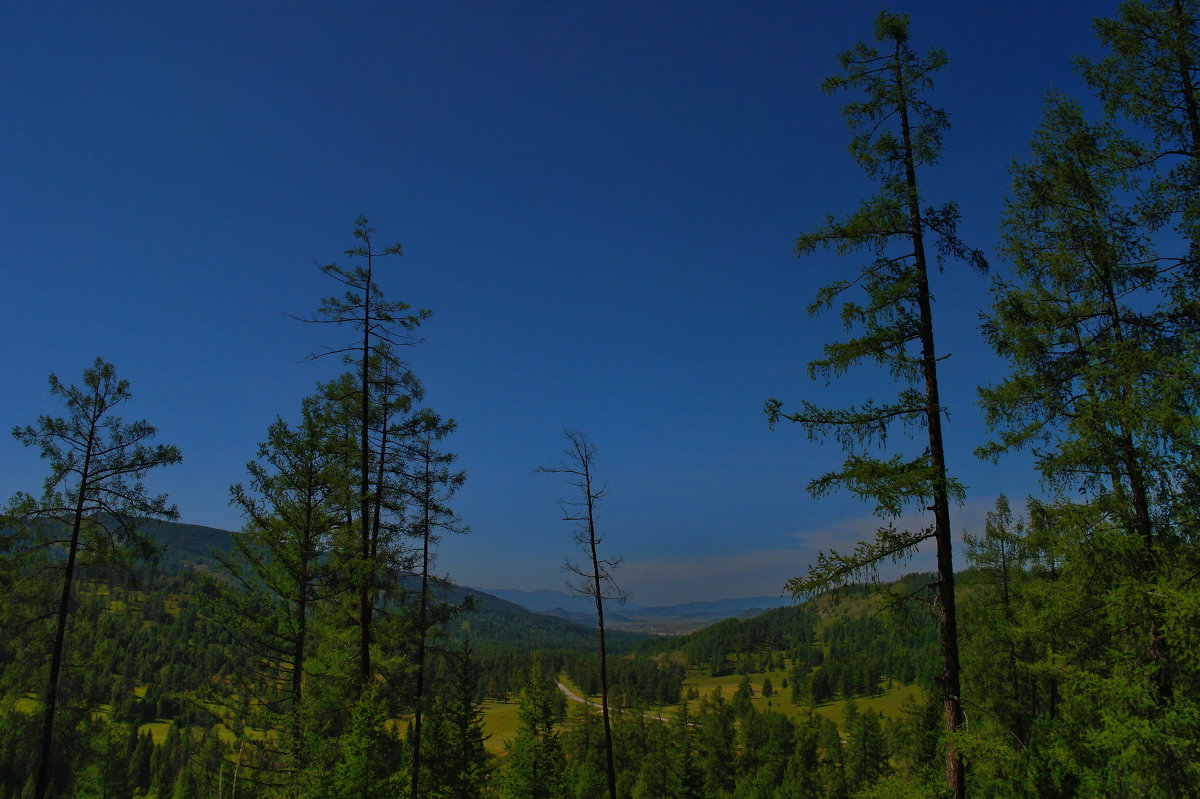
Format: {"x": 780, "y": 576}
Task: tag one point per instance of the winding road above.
{"x": 574, "y": 697}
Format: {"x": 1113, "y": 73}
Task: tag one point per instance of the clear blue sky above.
{"x": 598, "y": 201}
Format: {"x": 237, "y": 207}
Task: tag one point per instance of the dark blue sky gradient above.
{"x": 598, "y": 201}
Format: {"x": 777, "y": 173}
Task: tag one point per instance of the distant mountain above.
{"x": 658, "y": 620}
{"x": 725, "y": 608}
{"x": 497, "y": 621}
{"x": 545, "y": 601}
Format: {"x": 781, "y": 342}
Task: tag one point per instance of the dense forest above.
{"x": 317, "y": 652}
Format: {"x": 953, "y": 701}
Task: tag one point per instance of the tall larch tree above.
{"x": 92, "y": 504}
{"x": 896, "y": 134}
{"x": 383, "y": 327}
{"x": 1149, "y": 83}
{"x": 432, "y": 484}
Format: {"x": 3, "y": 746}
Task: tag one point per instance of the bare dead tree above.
{"x": 594, "y": 579}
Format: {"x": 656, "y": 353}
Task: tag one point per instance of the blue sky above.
{"x": 597, "y": 200}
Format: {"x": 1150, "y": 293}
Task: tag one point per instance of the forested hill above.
{"x": 497, "y": 621}
{"x": 490, "y": 621}
{"x": 852, "y": 644}
{"x": 188, "y": 545}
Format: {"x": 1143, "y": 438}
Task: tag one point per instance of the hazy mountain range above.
{"x": 192, "y": 546}
{"x": 663, "y": 619}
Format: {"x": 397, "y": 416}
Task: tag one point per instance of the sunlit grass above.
{"x": 889, "y": 703}
{"x": 500, "y": 724}
{"x": 157, "y": 730}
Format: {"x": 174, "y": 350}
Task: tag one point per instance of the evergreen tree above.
{"x": 94, "y": 497}
{"x": 714, "y": 741}
{"x": 765, "y": 746}
{"x": 141, "y": 761}
{"x": 280, "y": 568}
{"x": 1148, "y": 78}
{"x": 377, "y": 390}
{"x": 833, "y": 761}
{"x": 368, "y": 762}
{"x": 897, "y": 132}
{"x": 802, "y": 778}
{"x": 1102, "y": 390}
{"x": 996, "y": 655}
{"x": 458, "y": 765}
{"x": 866, "y": 752}
{"x": 433, "y": 483}
{"x": 740, "y": 704}
{"x": 535, "y": 765}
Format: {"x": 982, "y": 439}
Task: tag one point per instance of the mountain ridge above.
{"x": 655, "y": 619}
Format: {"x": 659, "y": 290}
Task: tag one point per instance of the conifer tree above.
{"x": 1149, "y": 78}
{"x": 281, "y": 568}
{"x": 1102, "y": 390}
{"x": 382, "y": 328}
{"x": 432, "y": 484}
{"x": 93, "y": 502}
{"x": 896, "y": 133}
{"x": 459, "y": 765}
{"x": 833, "y": 764}
{"x": 866, "y": 752}
{"x": 535, "y": 765}
{"x": 714, "y": 740}
{"x": 367, "y": 763}
{"x": 998, "y": 660}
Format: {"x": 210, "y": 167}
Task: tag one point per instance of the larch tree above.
{"x": 595, "y": 577}
{"x": 1149, "y": 83}
{"x": 995, "y": 656}
{"x": 93, "y": 501}
{"x": 1149, "y": 78}
{"x": 280, "y": 568}
{"x": 897, "y": 133}
{"x": 382, "y": 328}
{"x": 1102, "y": 391}
{"x": 432, "y": 483}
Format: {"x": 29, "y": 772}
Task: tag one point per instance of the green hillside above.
{"x": 186, "y": 545}
{"x": 489, "y": 621}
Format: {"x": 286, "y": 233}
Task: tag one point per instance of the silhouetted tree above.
{"x": 595, "y": 577}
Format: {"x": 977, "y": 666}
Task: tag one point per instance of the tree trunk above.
{"x": 423, "y": 609}
{"x": 364, "y": 589}
{"x": 949, "y": 680}
{"x": 611, "y": 771}
{"x": 42, "y": 781}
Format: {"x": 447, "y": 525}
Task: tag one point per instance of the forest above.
{"x": 318, "y": 653}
